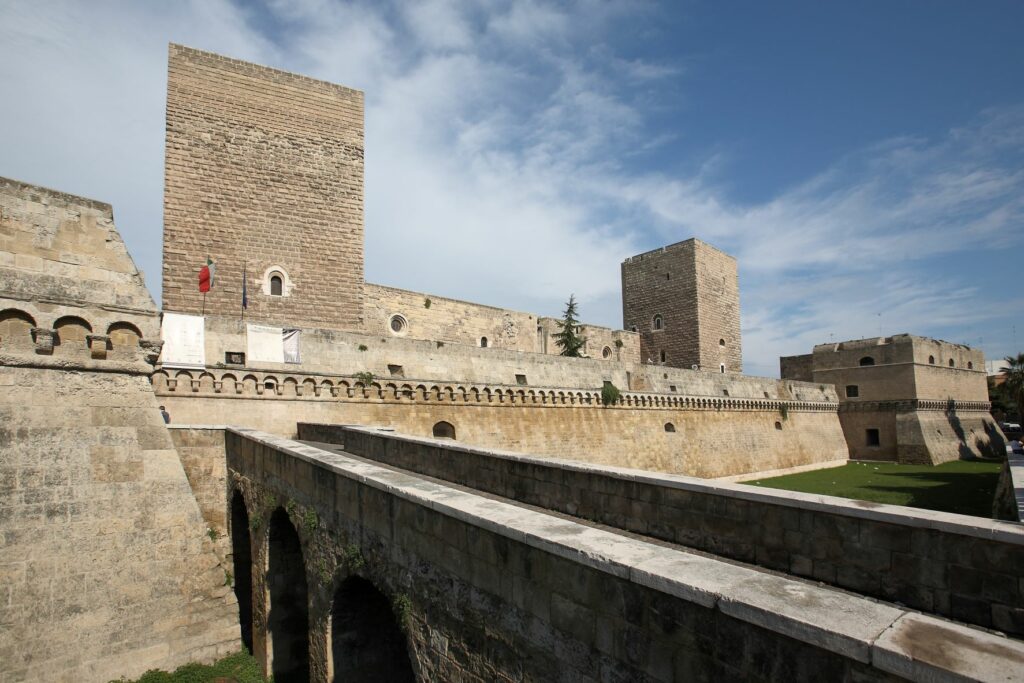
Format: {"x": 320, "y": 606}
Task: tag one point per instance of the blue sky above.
{"x": 862, "y": 160}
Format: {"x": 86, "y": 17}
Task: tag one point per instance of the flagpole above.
{"x": 204, "y": 304}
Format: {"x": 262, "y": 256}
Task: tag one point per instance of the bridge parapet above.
{"x": 960, "y": 567}
{"x": 487, "y": 589}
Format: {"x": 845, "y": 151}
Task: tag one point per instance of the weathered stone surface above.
{"x": 921, "y": 648}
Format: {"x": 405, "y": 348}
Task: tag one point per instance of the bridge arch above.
{"x": 288, "y": 616}
{"x": 241, "y": 553}
{"x": 367, "y": 643}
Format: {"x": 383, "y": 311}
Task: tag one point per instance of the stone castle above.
{"x": 128, "y": 545}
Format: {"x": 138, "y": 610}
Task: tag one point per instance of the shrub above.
{"x": 610, "y": 394}
{"x": 365, "y": 377}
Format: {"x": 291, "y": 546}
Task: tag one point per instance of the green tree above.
{"x": 568, "y": 338}
{"x": 1015, "y": 381}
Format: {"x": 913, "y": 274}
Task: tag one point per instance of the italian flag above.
{"x": 206, "y": 276}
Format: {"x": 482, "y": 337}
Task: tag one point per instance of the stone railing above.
{"x": 907, "y": 405}
{"x": 966, "y": 568}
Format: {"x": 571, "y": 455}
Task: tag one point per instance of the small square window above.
{"x": 234, "y": 358}
{"x": 672, "y": 387}
{"x": 852, "y": 391}
{"x": 521, "y": 380}
{"x": 396, "y": 370}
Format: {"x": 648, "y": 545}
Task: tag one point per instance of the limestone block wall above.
{"x": 491, "y": 590}
{"x": 60, "y": 256}
{"x": 960, "y": 567}
{"x": 701, "y": 436}
{"x": 106, "y": 564}
{"x": 448, "y": 320}
{"x": 391, "y": 358}
{"x": 201, "y": 451}
{"x": 263, "y": 173}
{"x": 694, "y": 289}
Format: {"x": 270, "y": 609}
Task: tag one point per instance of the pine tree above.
{"x": 568, "y": 339}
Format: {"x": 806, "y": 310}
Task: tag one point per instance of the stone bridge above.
{"x": 362, "y": 555}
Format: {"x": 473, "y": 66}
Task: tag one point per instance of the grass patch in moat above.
{"x": 966, "y": 487}
{"x": 237, "y": 668}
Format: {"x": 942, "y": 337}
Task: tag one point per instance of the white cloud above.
{"x": 499, "y": 143}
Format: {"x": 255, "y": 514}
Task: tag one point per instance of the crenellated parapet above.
{"x": 252, "y": 384}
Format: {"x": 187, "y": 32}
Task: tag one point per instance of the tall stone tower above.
{"x": 263, "y": 173}
{"x": 684, "y": 300}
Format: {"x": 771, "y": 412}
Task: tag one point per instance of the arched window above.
{"x": 970, "y": 365}
{"x": 632, "y": 328}
{"x": 931, "y": 360}
{"x": 444, "y": 430}
{"x": 867, "y": 360}
{"x": 15, "y": 324}
{"x": 669, "y": 427}
{"x": 721, "y": 342}
{"x": 778, "y": 426}
{"x": 483, "y": 342}
{"x": 951, "y": 363}
{"x": 663, "y": 356}
{"x": 606, "y": 352}
{"x": 657, "y": 323}
{"x": 276, "y": 282}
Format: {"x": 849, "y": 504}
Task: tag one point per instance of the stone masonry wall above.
{"x": 489, "y": 589}
{"x": 448, "y": 320}
{"x": 482, "y": 605}
{"x": 695, "y": 289}
{"x": 711, "y": 437}
{"x": 964, "y": 568}
{"x": 263, "y": 169}
{"x": 106, "y": 566}
{"x": 61, "y": 257}
{"x": 333, "y": 353}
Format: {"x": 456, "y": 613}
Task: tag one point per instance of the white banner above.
{"x": 264, "y": 344}
{"x": 184, "y": 341}
{"x": 290, "y": 339}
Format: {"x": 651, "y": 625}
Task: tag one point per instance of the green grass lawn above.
{"x": 962, "y": 486}
{"x": 236, "y": 668}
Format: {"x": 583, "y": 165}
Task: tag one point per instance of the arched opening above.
{"x": 657, "y": 323}
{"x": 71, "y": 329}
{"x": 721, "y": 342}
{"x": 444, "y": 430}
{"x": 632, "y": 328}
{"x": 867, "y": 360}
{"x": 669, "y": 427}
{"x": 241, "y": 552}
{"x": 276, "y": 285}
{"x": 606, "y": 352}
{"x": 931, "y": 360}
{"x": 288, "y": 621}
{"x": 970, "y": 365}
{"x": 951, "y": 363}
{"x": 366, "y": 641}
{"x": 483, "y": 342}
{"x": 15, "y": 324}
{"x": 778, "y": 426}
{"x": 124, "y": 334}
{"x": 663, "y": 357}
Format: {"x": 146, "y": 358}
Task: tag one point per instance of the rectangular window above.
{"x": 873, "y": 438}
{"x": 521, "y": 379}
{"x": 852, "y": 391}
{"x": 396, "y": 370}
{"x": 234, "y": 358}
{"x": 672, "y": 387}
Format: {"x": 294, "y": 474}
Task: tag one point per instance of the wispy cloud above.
{"x": 504, "y": 161}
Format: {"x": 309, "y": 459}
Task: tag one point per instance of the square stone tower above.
{"x": 263, "y": 172}
{"x": 684, "y": 301}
